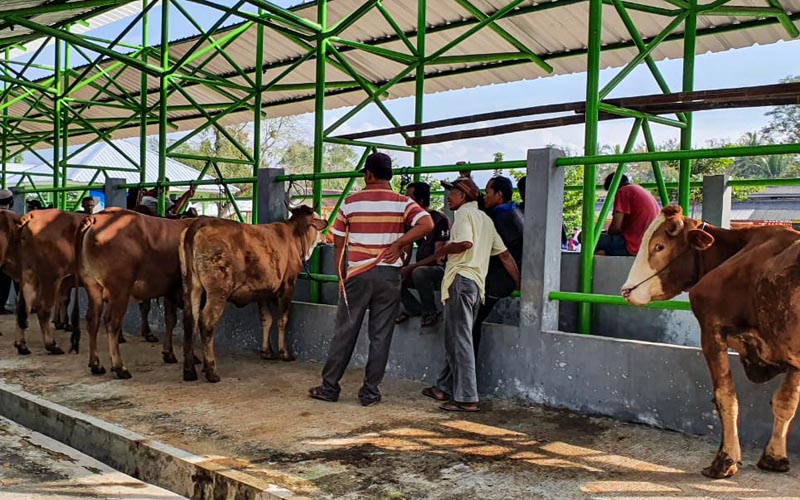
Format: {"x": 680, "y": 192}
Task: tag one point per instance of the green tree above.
{"x": 784, "y": 123}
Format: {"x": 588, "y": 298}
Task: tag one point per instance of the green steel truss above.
{"x": 48, "y": 112}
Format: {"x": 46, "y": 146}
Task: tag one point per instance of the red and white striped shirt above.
{"x": 372, "y": 220}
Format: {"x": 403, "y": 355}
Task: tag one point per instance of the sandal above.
{"x": 456, "y": 406}
{"x": 434, "y": 393}
{"x": 318, "y": 392}
{"x": 401, "y": 318}
{"x": 429, "y": 320}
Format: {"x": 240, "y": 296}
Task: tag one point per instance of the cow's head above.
{"x": 309, "y": 225}
{"x": 666, "y": 263}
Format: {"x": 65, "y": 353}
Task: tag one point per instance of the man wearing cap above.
{"x": 6, "y": 203}
{"x": 371, "y": 225}
{"x": 473, "y": 240}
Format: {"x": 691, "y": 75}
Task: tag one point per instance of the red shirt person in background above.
{"x": 634, "y": 210}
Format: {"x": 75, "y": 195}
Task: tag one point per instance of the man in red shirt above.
{"x": 371, "y": 225}
{"x": 634, "y": 210}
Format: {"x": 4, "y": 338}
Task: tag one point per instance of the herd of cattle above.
{"x": 119, "y": 256}
{"x": 744, "y": 289}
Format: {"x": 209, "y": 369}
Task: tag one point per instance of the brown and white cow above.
{"x": 744, "y": 289}
{"x": 127, "y": 256}
{"x": 225, "y": 261}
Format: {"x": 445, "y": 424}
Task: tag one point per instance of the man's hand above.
{"x": 441, "y": 255}
{"x": 393, "y": 252}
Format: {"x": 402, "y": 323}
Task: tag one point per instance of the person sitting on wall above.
{"x": 425, "y": 275}
{"x": 150, "y": 201}
{"x": 634, "y": 210}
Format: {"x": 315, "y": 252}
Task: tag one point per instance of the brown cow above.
{"x": 9, "y": 244}
{"x": 743, "y": 287}
{"x": 225, "y": 261}
{"x": 125, "y": 255}
{"x": 47, "y": 258}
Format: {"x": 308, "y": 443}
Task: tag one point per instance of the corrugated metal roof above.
{"x": 555, "y": 31}
{"x": 81, "y": 11}
{"x": 104, "y": 155}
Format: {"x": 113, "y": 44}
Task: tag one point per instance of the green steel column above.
{"x": 57, "y": 122}
{"x": 419, "y": 95}
{"x": 163, "y": 96}
{"x": 143, "y": 97}
{"x": 6, "y": 54}
{"x": 319, "y": 125}
{"x": 689, "y": 43}
{"x": 590, "y": 149}
{"x": 257, "y": 122}
{"x": 65, "y": 129}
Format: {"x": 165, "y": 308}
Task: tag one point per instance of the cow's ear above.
{"x": 319, "y": 224}
{"x": 701, "y": 240}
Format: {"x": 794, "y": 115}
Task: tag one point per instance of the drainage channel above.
{"x": 155, "y": 463}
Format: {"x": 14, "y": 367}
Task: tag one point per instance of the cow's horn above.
{"x": 676, "y": 226}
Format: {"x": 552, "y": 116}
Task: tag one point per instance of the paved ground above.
{"x": 259, "y": 420}
{"x": 33, "y": 466}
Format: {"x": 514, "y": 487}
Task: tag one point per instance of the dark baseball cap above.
{"x": 465, "y": 185}
{"x": 380, "y": 164}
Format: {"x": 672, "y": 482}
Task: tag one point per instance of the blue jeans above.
{"x": 612, "y": 244}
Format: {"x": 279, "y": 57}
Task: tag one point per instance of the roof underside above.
{"x": 555, "y": 31}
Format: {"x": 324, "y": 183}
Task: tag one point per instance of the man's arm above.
{"x": 450, "y": 249}
{"x": 338, "y": 254}
{"x": 616, "y": 223}
{"x": 420, "y": 229}
{"x": 511, "y": 267}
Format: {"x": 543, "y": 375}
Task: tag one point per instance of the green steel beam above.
{"x": 689, "y": 48}
{"x": 419, "y": 77}
{"x": 727, "y": 152}
{"x": 616, "y": 300}
{"x": 435, "y": 169}
{"x": 651, "y": 147}
{"x": 163, "y": 109}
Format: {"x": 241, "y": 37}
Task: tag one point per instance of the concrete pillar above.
{"x": 271, "y": 196}
{"x": 19, "y": 201}
{"x": 717, "y": 200}
{"x": 115, "y": 197}
{"x": 541, "y": 255}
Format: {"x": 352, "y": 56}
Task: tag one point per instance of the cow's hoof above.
{"x": 54, "y": 349}
{"x": 287, "y": 356}
{"x": 773, "y": 464}
{"x": 723, "y": 466}
{"x": 212, "y": 377}
{"x": 122, "y": 339}
{"x": 22, "y": 350}
{"x": 122, "y": 373}
{"x": 189, "y": 375}
{"x": 269, "y": 355}
{"x": 169, "y": 357}
{"x": 151, "y": 338}
{"x": 98, "y": 370}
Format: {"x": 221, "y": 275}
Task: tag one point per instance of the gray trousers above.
{"x": 379, "y": 291}
{"x": 458, "y": 378}
{"x": 426, "y": 281}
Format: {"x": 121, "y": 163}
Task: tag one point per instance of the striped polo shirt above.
{"x": 375, "y": 218}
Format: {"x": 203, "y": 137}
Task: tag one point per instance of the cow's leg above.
{"x": 26, "y": 296}
{"x": 209, "y": 317}
{"x": 47, "y": 298}
{"x": 729, "y": 455}
{"x": 94, "y": 309}
{"x": 265, "y": 313}
{"x": 784, "y": 406}
{"x": 284, "y": 304}
{"x": 144, "y": 313}
{"x": 192, "y": 300}
{"x": 115, "y": 311}
{"x": 170, "y": 319}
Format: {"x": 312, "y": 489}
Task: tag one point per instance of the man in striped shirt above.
{"x": 371, "y": 224}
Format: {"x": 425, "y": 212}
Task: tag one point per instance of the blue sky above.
{"x": 755, "y": 65}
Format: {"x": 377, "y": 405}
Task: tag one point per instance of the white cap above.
{"x": 5, "y": 193}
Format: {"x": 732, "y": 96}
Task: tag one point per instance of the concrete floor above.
{"x": 33, "y": 466}
{"x": 259, "y": 420}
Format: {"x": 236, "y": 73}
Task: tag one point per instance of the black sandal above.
{"x": 318, "y": 392}
{"x": 456, "y": 406}
{"x": 434, "y": 393}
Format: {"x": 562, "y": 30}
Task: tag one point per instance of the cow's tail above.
{"x": 191, "y": 308}
{"x": 22, "y": 310}
{"x": 75, "y": 338}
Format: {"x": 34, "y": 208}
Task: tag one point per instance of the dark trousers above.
{"x": 425, "y": 280}
{"x": 379, "y": 291}
{"x": 458, "y": 377}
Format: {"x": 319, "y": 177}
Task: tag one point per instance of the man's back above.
{"x": 640, "y": 209}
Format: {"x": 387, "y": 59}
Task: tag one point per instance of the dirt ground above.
{"x": 259, "y": 420}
